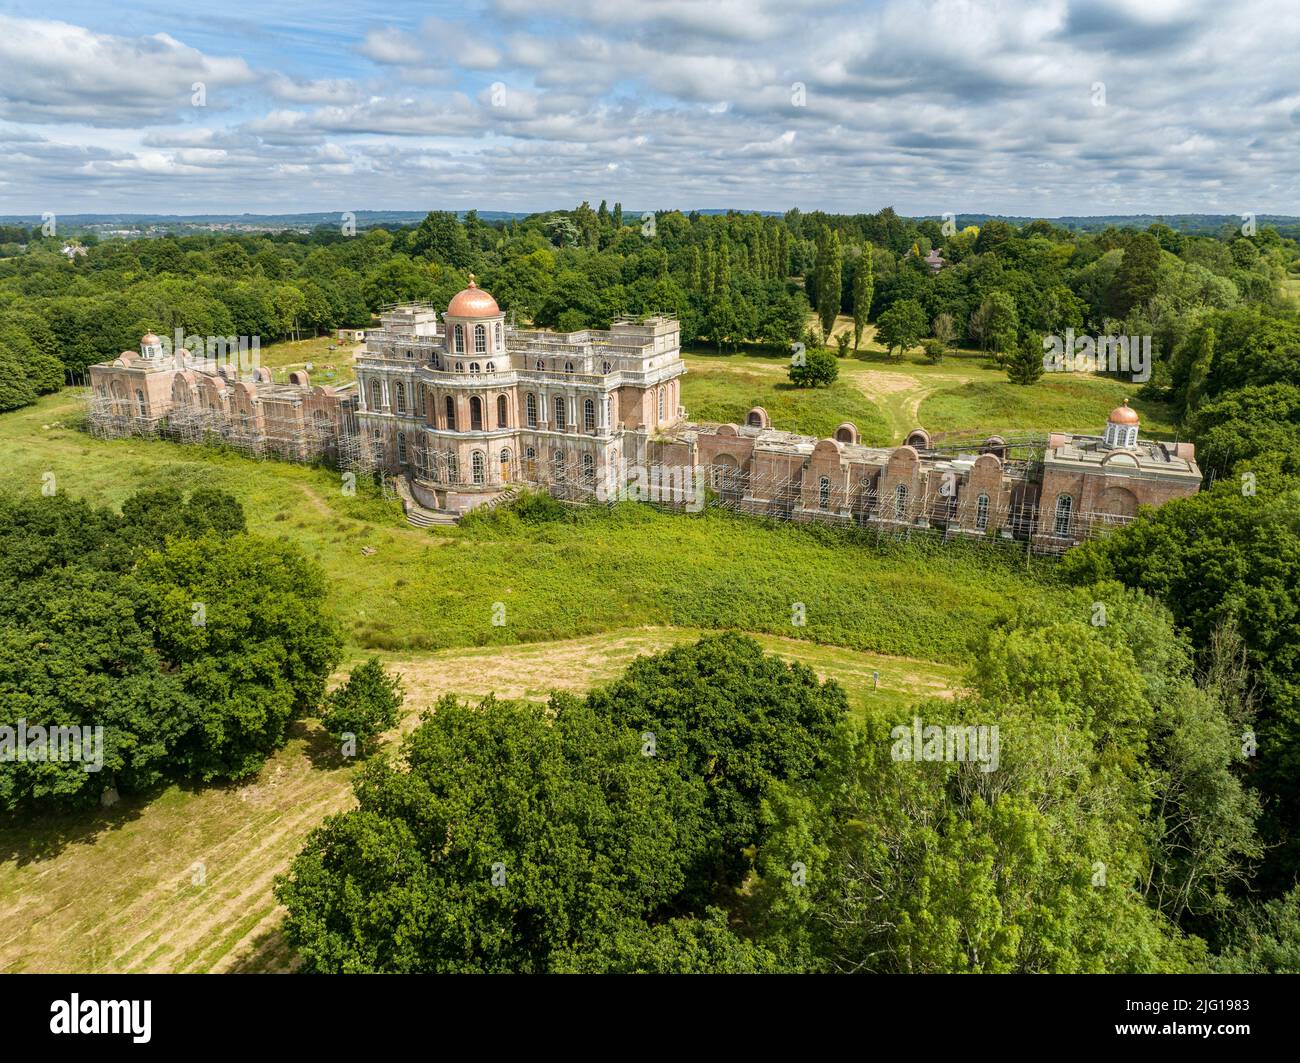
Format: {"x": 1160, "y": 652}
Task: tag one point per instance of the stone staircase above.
{"x": 417, "y": 515}
{"x": 504, "y": 498}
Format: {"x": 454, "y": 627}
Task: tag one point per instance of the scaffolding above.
{"x": 283, "y": 434}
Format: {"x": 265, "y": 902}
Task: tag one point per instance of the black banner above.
{"x": 785, "y": 1013}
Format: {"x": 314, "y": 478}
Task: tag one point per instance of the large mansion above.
{"x": 459, "y": 407}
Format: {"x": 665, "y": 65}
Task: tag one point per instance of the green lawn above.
{"x": 296, "y": 354}
{"x": 725, "y": 387}
{"x": 1061, "y": 402}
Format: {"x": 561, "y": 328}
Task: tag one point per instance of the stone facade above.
{"x": 464, "y": 406}
{"x": 467, "y": 405}
{"x": 1053, "y": 492}
{"x": 191, "y": 397}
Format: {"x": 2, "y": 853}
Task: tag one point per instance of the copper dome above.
{"x": 1123, "y": 415}
{"x": 472, "y": 302}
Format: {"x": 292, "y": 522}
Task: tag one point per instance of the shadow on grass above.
{"x": 270, "y": 953}
{"x": 42, "y": 836}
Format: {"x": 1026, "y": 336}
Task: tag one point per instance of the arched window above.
{"x": 437, "y": 360}
{"x": 460, "y": 367}
{"x": 475, "y": 414}
{"x": 451, "y": 414}
{"x": 530, "y": 453}
{"x": 401, "y": 447}
{"x": 606, "y": 368}
{"x": 900, "y": 502}
{"x": 661, "y": 404}
{"x": 453, "y": 468}
{"x": 559, "y": 413}
{"x": 460, "y": 339}
{"x": 589, "y": 415}
{"x": 501, "y": 411}
{"x": 824, "y": 492}
{"x": 476, "y": 466}
{"x": 498, "y": 330}
{"x": 982, "y": 512}
{"x": 473, "y": 368}
{"x": 505, "y": 456}
{"x": 558, "y": 460}
{"x": 376, "y": 401}
{"x": 491, "y": 367}
{"x": 1064, "y": 509}
{"x": 541, "y": 366}
{"x": 588, "y": 469}
{"x": 400, "y": 393}
{"x": 530, "y": 404}
{"x": 419, "y": 398}
{"x": 480, "y": 339}
{"x": 568, "y": 367}
{"x": 139, "y": 401}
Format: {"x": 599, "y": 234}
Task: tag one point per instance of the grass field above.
{"x": 181, "y": 880}
{"x": 888, "y": 397}
{"x": 297, "y": 354}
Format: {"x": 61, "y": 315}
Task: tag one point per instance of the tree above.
{"x": 73, "y": 655}
{"x": 829, "y": 269}
{"x": 240, "y": 621}
{"x": 1025, "y": 366}
{"x": 901, "y": 326}
{"x": 842, "y": 341}
{"x": 509, "y": 838}
{"x": 1198, "y": 373}
{"x": 995, "y": 323}
{"x": 864, "y": 286}
{"x": 442, "y": 238}
{"x": 944, "y": 329}
{"x": 733, "y": 720}
{"x": 1137, "y": 279}
{"x": 818, "y": 367}
{"x": 365, "y": 706}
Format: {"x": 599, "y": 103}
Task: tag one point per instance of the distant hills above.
{"x": 144, "y": 223}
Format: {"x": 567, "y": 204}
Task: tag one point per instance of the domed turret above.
{"x": 150, "y": 346}
{"x": 472, "y": 302}
{"x": 1121, "y": 428}
{"x": 474, "y": 325}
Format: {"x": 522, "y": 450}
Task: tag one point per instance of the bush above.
{"x": 819, "y": 368}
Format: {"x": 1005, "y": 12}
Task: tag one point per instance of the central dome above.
{"x": 472, "y": 302}
{"x": 1123, "y": 415}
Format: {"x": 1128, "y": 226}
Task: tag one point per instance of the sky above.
{"x": 1047, "y": 108}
